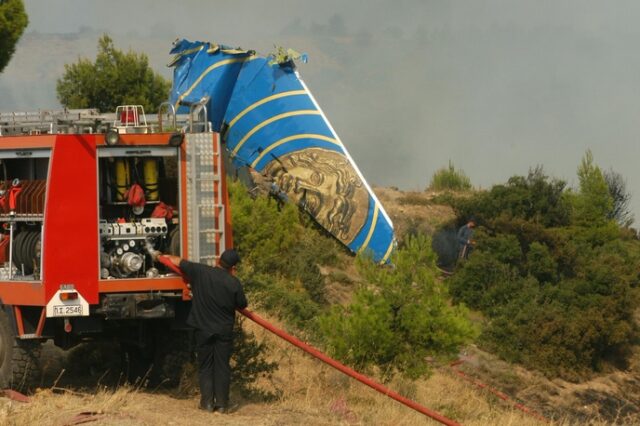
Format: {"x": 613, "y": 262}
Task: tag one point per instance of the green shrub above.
{"x": 249, "y": 364}
{"x": 284, "y": 297}
{"x": 280, "y": 250}
{"x": 484, "y": 282}
{"x": 448, "y": 178}
{"x": 567, "y": 331}
{"x": 541, "y": 264}
{"x": 399, "y": 317}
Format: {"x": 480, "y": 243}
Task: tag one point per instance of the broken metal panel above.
{"x": 202, "y": 70}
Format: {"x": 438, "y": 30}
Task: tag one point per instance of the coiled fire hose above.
{"x": 332, "y": 362}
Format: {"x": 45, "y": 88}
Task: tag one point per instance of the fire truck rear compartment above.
{"x": 82, "y": 217}
{"x": 133, "y": 224}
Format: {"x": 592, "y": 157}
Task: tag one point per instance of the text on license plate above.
{"x": 67, "y": 310}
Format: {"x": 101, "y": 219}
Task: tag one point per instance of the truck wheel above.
{"x": 173, "y": 354}
{"x": 137, "y": 364}
{"x": 19, "y": 360}
{"x": 161, "y": 363}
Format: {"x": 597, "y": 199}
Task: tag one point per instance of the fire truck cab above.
{"x": 85, "y": 201}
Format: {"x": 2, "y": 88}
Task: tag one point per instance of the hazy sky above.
{"x": 496, "y": 86}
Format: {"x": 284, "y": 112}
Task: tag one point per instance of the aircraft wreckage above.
{"x": 271, "y": 123}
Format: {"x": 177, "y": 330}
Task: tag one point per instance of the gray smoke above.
{"x": 445, "y": 244}
{"x": 496, "y": 86}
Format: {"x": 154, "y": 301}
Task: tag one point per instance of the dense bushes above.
{"x": 555, "y": 275}
{"x": 400, "y": 317}
{"x": 535, "y": 198}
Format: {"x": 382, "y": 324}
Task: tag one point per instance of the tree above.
{"x": 13, "y": 21}
{"x": 399, "y": 317}
{"x": 116, "y": 78}
{"x": 448, "y": 178}
{"x": 593, "y": 203}
{"x": 621, "y": 198}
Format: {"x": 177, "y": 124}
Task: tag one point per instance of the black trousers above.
{"x": 214, "y": 371}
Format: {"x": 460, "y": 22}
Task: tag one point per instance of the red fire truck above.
{"x": 85, "y": 201}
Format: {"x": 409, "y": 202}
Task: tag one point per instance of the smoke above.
{"x": 496, "y": 86}
{"x": 445, "y": 244}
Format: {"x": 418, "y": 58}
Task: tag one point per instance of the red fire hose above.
{"x": 332, "y": 362}
{"x": 496, "y": 392}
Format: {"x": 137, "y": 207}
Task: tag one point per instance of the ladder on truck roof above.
{"x": 127, "y": 119}
{"x": 49, "y": 121}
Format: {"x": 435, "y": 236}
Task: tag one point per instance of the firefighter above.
{"x": 465, "y": 241}
{"x": 216, "y": 296}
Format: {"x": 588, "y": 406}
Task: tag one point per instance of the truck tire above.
{"x": 162, "y": 362}
{"x": 173, "y": 355}
{"x": 137, "y": 364}
{"x": 19, "y": 359}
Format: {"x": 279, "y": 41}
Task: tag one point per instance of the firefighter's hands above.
{"x": 155, "y": 254}
{"x": 152, "y": 251}
{"x": 175, "y": 260}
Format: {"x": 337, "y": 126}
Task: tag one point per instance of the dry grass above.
{"x": 311, "y": 393}
{"x": 49, "y": 408}
{"x": 414, "y": 212}
{"x": 312, "y": 387}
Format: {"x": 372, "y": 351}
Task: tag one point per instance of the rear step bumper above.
{"x": 137, "y": 305}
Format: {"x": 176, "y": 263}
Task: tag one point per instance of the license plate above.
{"x": 67, "y": 310}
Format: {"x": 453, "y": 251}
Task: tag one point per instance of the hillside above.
{"x": 310, "y": 393}
{"x": 612, "y": 396}
{"x": 86, "y": 380}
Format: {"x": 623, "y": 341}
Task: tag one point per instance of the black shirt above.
{"x": 216, "y": 296}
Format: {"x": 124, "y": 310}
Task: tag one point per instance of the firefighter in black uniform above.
{"x": 216, "y": 296}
